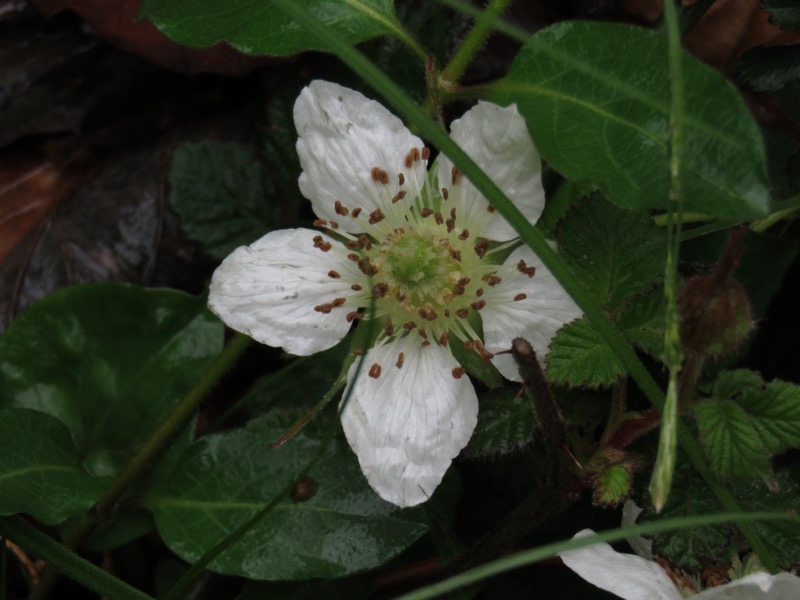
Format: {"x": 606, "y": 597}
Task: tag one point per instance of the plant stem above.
{"x": 154, "y": 444}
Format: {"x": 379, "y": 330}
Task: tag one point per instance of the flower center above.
{"x": 415, "y": 261}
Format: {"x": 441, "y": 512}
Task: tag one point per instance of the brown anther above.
{"x": 409, "y": 326}
{"x": 379, "y": 175}
{"x": 426, "y": 153}
{"x": 358, "y": 352}
{"x": 425, "y": 344}
{"x": 444, "y": 338}
{"x": 320, "y": 223}
{"x": 400, "y": 358}
{"x": 356, "y": 212}
{"x": 492, "y": 280}
{"x": 388, "y": 328}
{"x": 455, "y": 176}
{"x": 519, "y": 297}
{"x": 338, "y": 302}
{"x": 340, "y": 209}
{"x": 458, "y": 372}
{"x": 398, "y": 196}
{"x": 451, "y": 224}
{"x": 356, "y": 287}
{"x": 354, "y": 257}
{"x": 479, "y": 304}
{"x": 408, "y": 161}
{"x": 400, "y": 297}
{"x": 477, "y": 346}
{"x": 463, "y": 281}
{"x": 523, "y": 268}
{"x": 453, "y": 213}
{"x": 320, "y": 243}
{"x": 463, "y": 235}
{"x": 446, "y": 313}
{"x": 479, "y": 292}
{"x": 354, "y": 245}
{"x": 354, "y": 316}
{"x": 462, "y": 313}
{"x": 334, "y": 224}
{"x": 427, "y": 313}
{"x": 445, "y": 194}
{"x": 415, "y": 154}
{"x": 426, "y": 212}
{"x": 365, "y": 242}
{"x": 381, "y": 289}
{"x": 334, "y": 275}
{"x": 422, "y": 333}
{"x": 490, "y": 208}
{"x": 481, "y": 247}
{"x": 375, "y": 371}
{"x": 438, "y": 218}
{"x": 456, "y": 254}
{"x": 324, "y": 308}
{"x": 459, "y": 290}
{"x": 400, "y": 179}
{"x": 366, "y": 267}
{"x": 376, "y": 216}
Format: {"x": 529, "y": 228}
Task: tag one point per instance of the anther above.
{"x": 320, "y": 243}
{"x": 444, "y": 338}
{"x": 340, "y": 209}
{"x": 338, "y": 302}
{"x": 354, "y": 257}
{"x": 376, "y": 216}
{"x": 400, "y": 179}
{"x": 388, "y": 328}
{"x": 455, "y": 176}
{"x": 422, "y": 333}
{"x": 398, "y": 196}
{"x": 354, "y": 316}
{"x": 379, "y": 175}
{"x": 426, "y": 212}
{"x": 381, "y": 289}
{"x": 481, "y": 247}
{"x": 490, "y": 209}
{"x": 479, "y": 304}
{"x": 438, "y": 218}
{"x": 375, "y": 371}
{"x": 356, "y": 212}
{"x": 409, "y": 326}
{"x": 366, "y": 267}
{"x": 462, "y": 313}
{"x": 445, "y": 194}
{"x": 400, "y": 297}
{"x": 400, "y": 358}
{"x": 415, "y": 154}
{"x": 479, "y": 292}
{"x": 446, "y": 313}
{"x": 356, "y": 287}
{"x": 426, "y": 153}
{"x": 463, "y": 235}
{"x": 456, "y": 254}
{"x": 458, "y": 372}
{"x": 427, "y": 313}
{"x": 451, "y": 224}
{"x": 334, "y": 224}
{"x": 324, "y": 308}
{"x": 463, "y": 281}
{"x": 425, "y": 344}
{"x": 365, "y": 242}
{"x": 334, "y": 275}
{"x": 320, "y": 223}
{"x": 523, "y": 268}
{"x": 519, "y": 297}
{"x": 492, "y": 280}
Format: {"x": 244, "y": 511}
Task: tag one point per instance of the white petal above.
{"x": 756, "y": 586}
{"x": 537, "y": 318}
{"x": 628, "y": 576}
{"x": 269, "y": 289}
{"x": 497, "y": 139}
{"x": 641, "y": 545}
{"x": 342, "y": 137}
{"x": 408, "y": 424}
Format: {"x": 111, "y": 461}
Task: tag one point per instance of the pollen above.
{"x": 340, "y": 209}
{"x": 426, "y": 153}
{"x": 401, "y": 179}
{"x": 356, "y": 212}
{"x": 376, "y": 216}
{"x": 320, "y": 243}
{"x": 388, "y": 328}
{"x": 445, "y": 194}
{"x": 398, "y": 196}
{"x": 519, "y": 297}
{"x": 458, "y": 372}
{"x": 523, "y": 268}
{"x": 379, "y": 175}
{"x": 334, "y": 275}
{"x": 400, "y": 359}
{"x": 354, "y": 316}
{"x": 375, "y": 371}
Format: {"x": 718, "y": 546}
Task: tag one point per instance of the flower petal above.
{"x": 269, "y": 289}
{"x": 641, "y": 545}
{"x": 628, "y": 576}
{"x": 408, "y": 423}
{"x": 343, "y": 137}
{"x": 756, "y": 586}
{"x": 497, "y": 139}
{"x": 545, "y": 308}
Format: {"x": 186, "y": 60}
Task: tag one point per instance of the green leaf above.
{"x": 505, "y": 423}
{"x": 612, "y": 486}
{"x": 109, "y": 361}
{"x": 580, "y": 357}
{"x": 260, "y": 28}
{"x": 616, "y": 252}
{"x": 785, "y": 13}
{"x": 596, "y": 98}
{"x": 223, "y": 480}
{"x": 746, "y": 422}
{"x": 336, "y": 589}
{"x": 41, "y": 472}
{"x": 221, "y": 194}
{"x": 768, "y": 69}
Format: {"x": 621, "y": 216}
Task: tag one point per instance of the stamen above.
{"x": 320, "y": 223}
{"x": 478, "y": 304}
{"x": 477, "y": 346}
{"x": 400, "y": 359}
{"x": 381, "y": 289}
{"x": 423, "y": 334}
{"x": 490, "y": 208}
{"x": 479, "y": 292}
{"x": 334, "y": 224}
{"x": 356, "y": 287}
{"x": 375, "y": 371}
{"x": 444, "y": 338}
{"x": 426, "y": 153}
{"x": 324, "y": 308}
{"x": 455, "y": 176}
{"x": 446, "y": 313}
{"x": 492, "y": 280}
{"x": 438, "y": 218}
{"x": 400, "y": 296}
{"x": 354, "y": 257}
{"x": 400, "y": 179}
{"x": 462, "y": 313}
{"x": 338, "y": 302}
{"x": 445, "y": 194}
{"x": 366, "y": 267}
{"x": 427, "y": 313}
{"x": 388, "y": 328}
{"x": 426, "y": 212}
{"x": 365, "y": 242}
{"x": 376, "y": 216}
{"x": 481, "y": 247}
{"x": 425, "y": 344}
{"x": 356, "y": 212}
{"x": 458, "y": 372}
{"x": 340, "y": 209}
{"x": 379, "y": 175}
{"x": 334, "y": 275}
{"x": 320, "y": 243}
{"x": 409, "y": 326}
{"x": 398, "y": 196}
{"x": 463, "y": 235}
{"x": 519, "y": 297}
{"x": 523, "y": 268}
{"x": 354, "y": 316}
{"x": 456, "y": 254}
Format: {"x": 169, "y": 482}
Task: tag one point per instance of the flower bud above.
{"x": 715, "y": 314}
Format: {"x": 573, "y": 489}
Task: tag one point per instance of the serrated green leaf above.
{"x": 505, "y": 424}
{"x": 768, "y": 69}
{"x": 222, "y": 480}
{"x": 596, "y": 98}
{"x": 746, "y": 422}
{"x": 580, "y": 357}
{"x": 612, "y": 486}
{"x": 260, "y": 28}
{"x": 41, "y": 472}
{"x": 109, "y": 361}
{"x": 617, "y": 253}
{"x": 785, "y": 13}
{"x": 221, "y": 194}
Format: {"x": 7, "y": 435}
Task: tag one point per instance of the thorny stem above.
{"x": 157, "y": 441}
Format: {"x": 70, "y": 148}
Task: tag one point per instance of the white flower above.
{"x": 633, "y": 577}
{"x": 420, "y": 245}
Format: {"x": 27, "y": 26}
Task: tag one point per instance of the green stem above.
{"x": 154, "y": 444}
{"x": 81, "y": 570}
{"x": 474, "y": 41}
